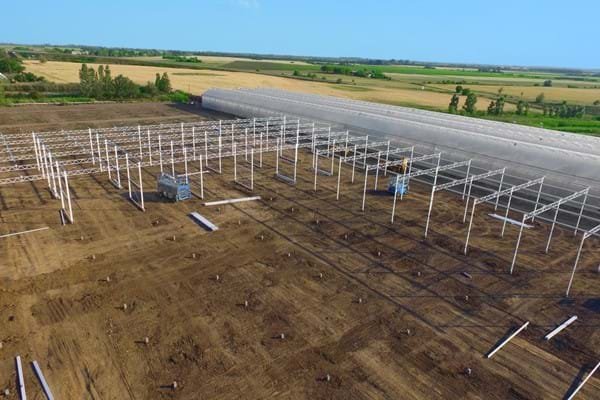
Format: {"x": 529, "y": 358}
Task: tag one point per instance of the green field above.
{"x": 422, "y": 86}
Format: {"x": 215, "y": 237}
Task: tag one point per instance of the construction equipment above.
{"x": 402, "y": 187}
{"x": 174, "y": 188}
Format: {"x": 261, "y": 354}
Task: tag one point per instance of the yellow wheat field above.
{"x": 197, "y": 81}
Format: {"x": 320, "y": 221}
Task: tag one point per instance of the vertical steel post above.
{"x": 141, "y": 154}
{"x": 193, "y": 144}
{"x": 185, "y": 164}
{"x": 365, "y": 188}
{"x": 172, "y": 160}
{"x": 128, "y": 175}
{"x": 538, "y": 198}
{"x": 316, "y": 169}
{"x": 296, "y": 151}
{"x": 260, "y": 156}
{"x": 206, "y": 148}
{"x": 149, "y": 147}
{"x": 575, "y": 265}
{"x": 117, "y": 168}
{"x": 277, "y": 157}
{"x": 107, "y": 159}
{"x": 552, "y": 229}
{"x": 201, "y": 180}
{"x": 507, "y": 211}
{"x": 99, "y": 154}
{"x": 470, "y": 226}
{"x": 354, "y": 162}
{"x": 410, "y": 163}
{"x": 468, "y": 198}
{"x": 332, "y": 155}
{"x": 499, "y": 188}
{"x": 68, "y": 197}
{"x": 92, "y": 147}
{"x": 141, "y": 186}
{"x": 387, "y": 157}
{"x": 514, "y": 261}
{"x": 466, "y": 179}
{"x": 220, "y": 162}
{"x": 160, "y": 154}
{"x": 580, "y": 213}
{"x": 430, "y": 207}
{"x": 377, "y": 169}
{"x": 395, "y": 197}
{"x": 337, "y": 196}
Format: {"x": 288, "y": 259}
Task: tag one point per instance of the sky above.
{"x": 507, "y": 32}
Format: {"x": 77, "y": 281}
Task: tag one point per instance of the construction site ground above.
{"x": 382, "y": 312}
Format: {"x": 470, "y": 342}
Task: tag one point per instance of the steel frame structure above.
{"x": 57, "y": 156}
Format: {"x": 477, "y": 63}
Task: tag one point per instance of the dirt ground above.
{"x": 381, "y": 311}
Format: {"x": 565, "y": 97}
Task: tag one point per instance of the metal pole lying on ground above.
{"x": 524, "y": 326}
{"x": 560, "y": 327}
{"x": 40, "y": 375}
{"x": 583, "y": 382}
{"x": 231, "y": 201}
{"x": 20, "y": 378}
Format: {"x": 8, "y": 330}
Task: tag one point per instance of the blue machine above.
{"x": 402, "y": 188}
{"x": 173, "y": 188}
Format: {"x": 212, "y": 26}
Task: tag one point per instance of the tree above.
{"x": 540, "y": 98}
{"x": 548, "y": 83}
{"x": 466, "y": 91}
{"x": 459, "y": 89}
{"x": 520, "y": 107}
{"x": 453, "y": 106}
{"x": 296, "y": 72}
{"x": 10, "y": 65}
{"x": 150, "y": 89}
{"x": 125, "y": 88}
{"x": 163, "y": 83}
{"x": 470, "y": 103}
{"x": 597, "y": 102}
{"x": 497, "y": 107}
{"x": 87, "y": 81}
{"x": 105, "y": 81}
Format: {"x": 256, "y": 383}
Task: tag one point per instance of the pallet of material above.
{"x": 203, "y": 221}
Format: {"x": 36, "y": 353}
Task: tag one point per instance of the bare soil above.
{"x": 388, "y": 319}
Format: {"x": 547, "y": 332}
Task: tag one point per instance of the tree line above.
{"x": 361, "y": 73}
{"x": 496, "y": 106}
{"x": 100, "y": 85}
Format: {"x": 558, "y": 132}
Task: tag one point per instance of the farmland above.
{"x": 419, "y": 86}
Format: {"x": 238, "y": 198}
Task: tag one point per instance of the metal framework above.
{"x": 556, "y": 205}
{"x": 496, "y": 195}
{"x": 468, "y": 180}
{"x": 189, "y": 149}
{"x": 585, "y": 236}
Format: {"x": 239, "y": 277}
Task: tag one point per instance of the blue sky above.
{"x": 524, "y": 32}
